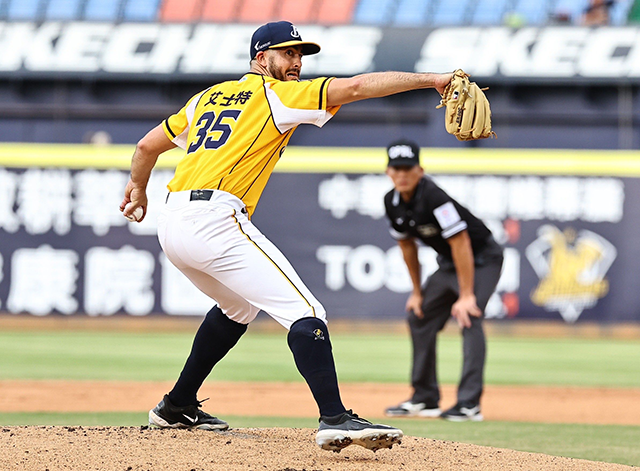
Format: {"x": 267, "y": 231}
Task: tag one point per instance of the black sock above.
{"x": 309, "y": 341}
{"x": 215, "y": 337}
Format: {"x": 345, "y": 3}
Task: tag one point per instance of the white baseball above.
{"x": 137, "y": 214}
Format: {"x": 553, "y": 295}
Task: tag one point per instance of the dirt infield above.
{"x": 142, "y": 449}
{"x": 505, "y": 403}
{"x": 139, "y": 448}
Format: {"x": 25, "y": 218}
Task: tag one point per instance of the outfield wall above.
{"x": 567, "y": 220}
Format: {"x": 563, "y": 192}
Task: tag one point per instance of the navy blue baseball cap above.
{"x": 403, "y": 153}
{"x": 279, "y": 34}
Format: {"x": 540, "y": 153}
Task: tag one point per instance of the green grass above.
{"x": 359, "y": 358}
{"x": 613, "y": 444}
{"x": 119, "y": 356}
{"x": 609, "y": 443}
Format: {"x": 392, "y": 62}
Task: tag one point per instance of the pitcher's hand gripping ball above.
{"x": 467, "y": 114}
{"x": 137, "y": 214}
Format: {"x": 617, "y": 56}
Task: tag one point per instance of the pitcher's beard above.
{"x": 276, "y": 73}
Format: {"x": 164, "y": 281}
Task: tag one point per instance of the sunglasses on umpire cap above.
{"x": 403, "y": 154}
{"x": 279, "y": 34}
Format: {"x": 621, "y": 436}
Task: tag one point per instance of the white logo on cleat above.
{"x": 193, "y": 421}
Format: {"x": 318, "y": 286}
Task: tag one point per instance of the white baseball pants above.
{"x": 225, "y": 256}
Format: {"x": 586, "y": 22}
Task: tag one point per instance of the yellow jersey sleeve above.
{"x": 293, "y": 103}
{"x": 177, "y": 126}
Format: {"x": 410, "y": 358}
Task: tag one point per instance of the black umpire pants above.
{"x": 439, "y": 293}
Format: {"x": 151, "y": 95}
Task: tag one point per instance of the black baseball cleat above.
{"x": 166, "y": 415}
{"x": 340, "y": 431}
{"x": 462, "y": 413}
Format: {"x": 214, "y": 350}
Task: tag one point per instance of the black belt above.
{"x": 205, "y": 195}
{"x": 201, "y": 195}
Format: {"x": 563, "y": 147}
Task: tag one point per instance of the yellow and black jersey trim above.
{"x": 322, "y": 92}
{"x": 168, "y": 129}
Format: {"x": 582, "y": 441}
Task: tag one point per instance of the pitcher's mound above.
{"x": 277, "y": 449}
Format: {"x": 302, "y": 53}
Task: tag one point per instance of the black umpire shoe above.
{"x": 166, "y": 415}
{"x": 463, "y": 413}
{"x": 340, "y": 431}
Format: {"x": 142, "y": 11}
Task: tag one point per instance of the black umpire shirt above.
{"x": 433, "y": 216}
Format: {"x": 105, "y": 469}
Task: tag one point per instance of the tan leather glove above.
{"x": 467, "y": 114}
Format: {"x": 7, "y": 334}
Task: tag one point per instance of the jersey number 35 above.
{"x": 207, "y": 125}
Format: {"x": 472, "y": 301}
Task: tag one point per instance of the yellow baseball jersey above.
{"x": 235, "y": 132}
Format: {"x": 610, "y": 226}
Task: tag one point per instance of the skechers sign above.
{"x": 130, "y": 49}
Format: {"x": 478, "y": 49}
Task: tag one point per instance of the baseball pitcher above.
{"x": 233, "y": 134}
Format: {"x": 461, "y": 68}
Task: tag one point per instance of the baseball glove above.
{"x": 467, "y": 114}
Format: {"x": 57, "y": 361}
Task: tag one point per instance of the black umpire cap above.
{"x": 279, "y": 34}
{"x": 403, "y": 153}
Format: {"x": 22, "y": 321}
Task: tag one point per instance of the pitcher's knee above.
{"x": 308, "y": 327}
{"x": 287, "y": 319}
{"x": 310, "y": 343}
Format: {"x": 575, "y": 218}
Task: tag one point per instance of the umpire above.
{"x": 469, "y": 262}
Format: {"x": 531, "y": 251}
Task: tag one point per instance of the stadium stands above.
{"x": 336, "y": 11}
{"x": 450, "y": 12}
{"x": 180, "y": 10}
{"x": 299, "y": 11}
{"x": 220, "y": 11}
{"x": 24, "y": 10}
{"x": 63, "y": 9}
{"x": 410, "y": 13}
{"x": 620, "y": 11}
{"x": 256, "y": 11}
{"x": 532, "y": 11}
{"x": 141, "y": 10}
{"x": 634, "y": 13}
{"x": 102, "y": 10}
{"x": 573, "y": 9}
{"x": 374, "y": 11}
{"x": 489, "y": 12}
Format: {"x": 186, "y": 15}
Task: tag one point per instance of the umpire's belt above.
{"x": 182, "y": 198}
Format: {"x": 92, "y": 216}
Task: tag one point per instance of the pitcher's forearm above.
{"x": 146, "y": 155}
{"x": 380, "y": 84}
{"x": 142, "y": 164}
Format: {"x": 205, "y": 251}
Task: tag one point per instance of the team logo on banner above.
{"x": 571, "y": 267}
